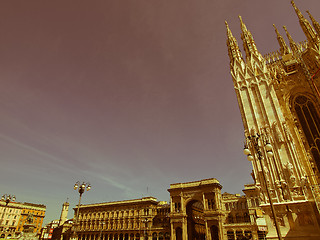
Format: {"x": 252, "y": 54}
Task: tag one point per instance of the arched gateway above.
{"x": 196, "y": 210}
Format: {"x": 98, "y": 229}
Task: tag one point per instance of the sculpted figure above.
{"x": 278, "y": 133}
{"x": 30, "y": 218}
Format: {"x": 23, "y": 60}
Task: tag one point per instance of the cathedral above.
{"x": 279, "y": 100}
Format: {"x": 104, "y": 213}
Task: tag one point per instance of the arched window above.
{"x": 178, "y": 233}
{"x": 160, "y": 236}
{"x": 154, "y": 236}
{"x": 310, "y": 123}
{"x": 166, "y": 236}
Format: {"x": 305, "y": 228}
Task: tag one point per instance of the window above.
{"x": 248, "y": 234}
{"x": 261, "y": 235}
{"x": 239, "y": 218}
{"x": 239, "y": 234}
{"x": 246, "y": 217}
{"x": 230, "y": 218}
{"x": 230, "y": 235}
{"x": 310, "y": 123}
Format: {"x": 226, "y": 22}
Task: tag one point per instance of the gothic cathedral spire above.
{"x": 315, "y": 24}
{"x": 312, "y": 37}
{"x": 292, "y": 43}
{"x": 284, "y": 49}
{"x": 233, "y": 47}
{"x": 248, "y": 42}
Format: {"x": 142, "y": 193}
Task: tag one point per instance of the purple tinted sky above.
{"x": 127, "y": 95}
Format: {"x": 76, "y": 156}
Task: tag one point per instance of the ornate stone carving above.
{"x": 290, "y": 174}
{"x": 277, "y": 133}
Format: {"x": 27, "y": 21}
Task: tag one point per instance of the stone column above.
{"x": 220, "y": 228}
{"x": 173, "y": 232}
{"x": 208, "y": 231}
{"x": 217, "y": 199}
{"x": 205, "y": 207}
{"x": 184, "y": 228}
{"x": 171, "y": 205}
{"x": 183, "y": 207}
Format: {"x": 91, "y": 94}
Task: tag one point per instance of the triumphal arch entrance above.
{"x": 196, "y": 210}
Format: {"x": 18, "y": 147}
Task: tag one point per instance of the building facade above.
{"x": 47, "y": 231}
{"x": 144, "y": 218}
{"x": 237, "y": 222}
{"x": 197, "y": 210}
{"x": 10, "y": 215}
{"x": 279, "y": 101}
{"x": 14, "y": 216}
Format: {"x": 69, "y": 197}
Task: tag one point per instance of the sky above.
{"x": 130, "y": 96}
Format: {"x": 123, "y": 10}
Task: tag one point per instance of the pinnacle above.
{"x": 283, "y": 46}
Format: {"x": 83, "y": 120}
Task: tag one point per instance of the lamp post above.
{"x": 7, "y": 199}
{"x": 81, "y": 189}
{"x": 254, "y": 143}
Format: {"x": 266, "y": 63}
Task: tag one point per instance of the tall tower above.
{"x": 279, "y": 102}
{"x": 64, "y": 213}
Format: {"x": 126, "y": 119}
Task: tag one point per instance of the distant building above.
{"x": 197, "y": 210}
{"x": 47, "y": 231}
{"x": 63, "y": 231}
{"x": 64, "y": 213}
{"x": 144, "y": 218}
{"x": 237, "y": 217}
{"x": 15, "y": 214}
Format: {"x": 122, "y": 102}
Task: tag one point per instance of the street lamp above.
{"x": 81, "y": 189}
{"x": 7, "y": 199}
{"x": 253, "y": 143}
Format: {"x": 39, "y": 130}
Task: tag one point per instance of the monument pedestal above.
{"x": 28, "y": 232}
